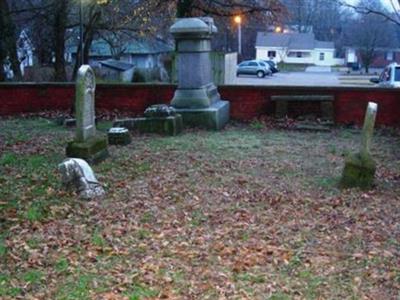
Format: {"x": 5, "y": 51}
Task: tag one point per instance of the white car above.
{"x": 390, "y": 77}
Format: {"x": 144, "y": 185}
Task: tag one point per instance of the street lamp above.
{"x": 238, "y": 21}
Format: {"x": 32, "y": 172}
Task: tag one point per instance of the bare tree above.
{"x": 374, "y": 7}
{"x": 228, "y": 8}
{"x": 8, "y": 41}
{"x": 369, "y": 32}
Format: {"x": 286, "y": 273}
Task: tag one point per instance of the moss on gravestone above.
{"x": 359, "y": 171}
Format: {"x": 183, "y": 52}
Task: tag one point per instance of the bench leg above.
{"x": 327, "y": 110}
{"x": 281, "y": 109}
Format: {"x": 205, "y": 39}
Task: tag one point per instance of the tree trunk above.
{"x": 60, "y": 23}
{"x": 3, "y": 53}
{"x": 184, "y": 8}
{"x": 8, "y": 40}
{"x": 88, "y": 36}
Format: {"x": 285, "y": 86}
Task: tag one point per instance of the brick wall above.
{"x": 247, "y": 102}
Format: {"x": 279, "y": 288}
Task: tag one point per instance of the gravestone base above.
{"x": 214, "y": 117}
{"x": 94, "y": 150}
{"x": 119, "y": 136}
{"x": 171, "y": 125}
{"x": 359, "y": 171}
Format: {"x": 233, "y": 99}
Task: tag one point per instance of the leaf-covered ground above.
{"x": 246, "y": 213}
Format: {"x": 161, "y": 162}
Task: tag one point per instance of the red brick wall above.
{"x": 247, "y": 102}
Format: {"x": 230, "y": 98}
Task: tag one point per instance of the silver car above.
{"x": 253, "y": 67}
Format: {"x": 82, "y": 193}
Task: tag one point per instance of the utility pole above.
{"x": 238, "y": 21}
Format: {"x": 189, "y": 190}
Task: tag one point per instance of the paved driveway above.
{"x": 318, "y": 69}
{"x": 294, "y": 78}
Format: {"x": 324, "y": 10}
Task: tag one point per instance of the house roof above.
{"x": 324, "y": 45}
{"x": 298, "y": 41}
{"x": 138, "y": 46}
{"x": 117, "y": 65}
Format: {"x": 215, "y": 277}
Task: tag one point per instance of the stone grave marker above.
{"x": 119, "y": 136}
{"x": 78, "y": 174}
{"x": 360, "y": 167}
{"x": 160, "y": 119}
{"x": 197, "y": 98}
{"x": 88, "y": 144}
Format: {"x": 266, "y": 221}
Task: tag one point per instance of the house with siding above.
{"x": 143, "y": 53}
{"x": 296, "y": 48}
{"x": 382, "y": 57}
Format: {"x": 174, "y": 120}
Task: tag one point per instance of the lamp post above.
{"x": 238, "y": 21}
{"x": 81, "y": 30}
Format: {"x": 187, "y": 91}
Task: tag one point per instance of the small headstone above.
{"x": 159, "y": 111}
{"x": 69, "y": 122}
{"x": 119, "y": 136}
{"x": 87, "y": 144}
{"x": 161, "y": 119}
{"x": 359, "y": 170}
{"x": 76, "y": 173}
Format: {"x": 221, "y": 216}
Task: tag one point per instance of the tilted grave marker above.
{"x": 359, "y": 170}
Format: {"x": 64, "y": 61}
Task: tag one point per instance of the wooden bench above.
{"x": 326, "y": 104}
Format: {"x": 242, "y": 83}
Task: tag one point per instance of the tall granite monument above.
{"x": 88, "y": 144}
{"x": 197, "y": 98}
{"x": 360, "y": 167}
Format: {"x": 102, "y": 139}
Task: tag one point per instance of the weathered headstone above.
{"x": 87, "y": 144}
{"x": 160, "y": 118}
{"x": 197, "y": 98}
{"x": 76, "y": 173}
{"x": 360, "y": 167}
{"x": 119, "y": 136}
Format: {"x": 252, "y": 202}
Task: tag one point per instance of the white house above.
{"x": 296, "y": 48}
{"x": 116, "y": 70}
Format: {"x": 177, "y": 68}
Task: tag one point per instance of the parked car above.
{"x": 253, "y": 67}
{"x": 390, "y": 76}
{"x": 272, "y": 65}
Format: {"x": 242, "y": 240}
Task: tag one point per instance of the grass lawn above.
{"x": 246, "y": 213}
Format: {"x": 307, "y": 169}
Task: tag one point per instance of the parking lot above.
{"x": 292, "y": 78}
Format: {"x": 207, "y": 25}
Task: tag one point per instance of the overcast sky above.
{"x": 386, "y": 3}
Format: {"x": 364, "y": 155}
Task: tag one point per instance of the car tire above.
{"x": 260, "y": 74}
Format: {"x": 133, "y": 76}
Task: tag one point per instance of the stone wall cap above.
{"x": 192, "y": 25}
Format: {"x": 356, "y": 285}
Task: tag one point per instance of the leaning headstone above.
{"x": 119, "y": 136}
{"x": 76, "y": 173}
{"x": 197, "y": 98}
{"x": 360, "y": 167}
{"x": 161, "y": 119}
{"x": 88, "y": 144}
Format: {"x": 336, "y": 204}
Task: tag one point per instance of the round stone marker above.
{"x": 119, "y": 136}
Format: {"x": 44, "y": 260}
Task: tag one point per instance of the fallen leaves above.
{"x": 240, "y": 214}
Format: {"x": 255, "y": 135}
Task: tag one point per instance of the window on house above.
{"x": 389, "y": 55}
{"x": 299, "y": 54}
{"x": 321, "y": 56}
{"x": 397, "y": 74}
{"x": 271, "y": 53}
